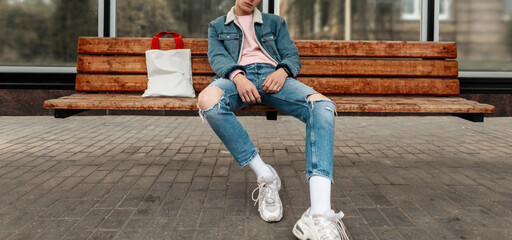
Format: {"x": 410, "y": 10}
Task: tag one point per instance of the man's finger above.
{"x": 247, "y": 96}
{"x": 243, "y": 98}
{"x": 279, "y": 87}
{"x": 256, "y": 95}
{"x": 272, "y": 86}
{"x": 258, "y": 98}
{"x": 266, "y": 84}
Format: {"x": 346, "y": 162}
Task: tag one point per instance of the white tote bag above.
{"x": 169, "y": 71}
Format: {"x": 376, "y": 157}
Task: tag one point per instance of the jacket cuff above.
{"x": 234, "y": 73}
{"x": 231, "y": 69}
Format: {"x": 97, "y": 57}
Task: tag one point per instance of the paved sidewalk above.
{"x": 146, "y": 177}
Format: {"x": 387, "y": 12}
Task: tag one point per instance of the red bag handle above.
{"x": 177, "y": 40}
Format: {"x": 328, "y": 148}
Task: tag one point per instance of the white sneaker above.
{"x": 321, "y": 227}
{"x": 269, "y": 203}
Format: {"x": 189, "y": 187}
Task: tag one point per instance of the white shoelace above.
{"x": 340, "y": 226}
{"x": 266, "y": 193}
{"x": 326, "y": 230}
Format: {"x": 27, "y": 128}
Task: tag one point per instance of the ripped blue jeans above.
{"x": 292, "y": 100}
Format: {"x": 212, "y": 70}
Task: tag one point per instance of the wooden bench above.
{"x": 359, "y": 76}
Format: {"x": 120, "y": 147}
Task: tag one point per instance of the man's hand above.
{"x": 246, "y": 89}
{"x": 274, "y": 81}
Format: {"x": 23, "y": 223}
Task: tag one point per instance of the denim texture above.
{"x": 292, "y": 100}
{"x": 225, "y": 41}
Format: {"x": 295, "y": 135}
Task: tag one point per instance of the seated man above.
{"x": 256, "y": 62}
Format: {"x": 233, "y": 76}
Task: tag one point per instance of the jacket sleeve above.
{"x": 287, "y": 49}
{"x": 220, "y": 61}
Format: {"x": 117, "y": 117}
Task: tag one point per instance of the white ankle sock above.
{"x": 320, "y": 194}
{"x": 261, "y": 169}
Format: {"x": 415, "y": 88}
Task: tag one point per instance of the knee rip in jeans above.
{"x": 202, "y": 111}
{"x": 315, "y": 98}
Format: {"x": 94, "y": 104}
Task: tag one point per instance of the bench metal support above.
{"x": 271, "y": 115}
{"x": 473, "y": 117}
{"x": 64, "y": 113}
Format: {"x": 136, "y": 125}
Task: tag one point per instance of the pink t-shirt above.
{"x": 251, "y": 51}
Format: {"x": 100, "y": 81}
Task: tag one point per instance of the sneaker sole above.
{"x": 299, "y": 233}
{"x": 273, "y": 220}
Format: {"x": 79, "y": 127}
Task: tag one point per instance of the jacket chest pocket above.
{"x": 231, "y": 42}
{"x": 268, "y": 41}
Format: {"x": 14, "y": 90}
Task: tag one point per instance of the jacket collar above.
{"x": 256, "y": 17}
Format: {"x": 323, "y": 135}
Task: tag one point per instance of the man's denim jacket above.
{"x": 225, "y": 41}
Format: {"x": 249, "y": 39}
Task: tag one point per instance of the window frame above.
{"x": 416, "y": 14}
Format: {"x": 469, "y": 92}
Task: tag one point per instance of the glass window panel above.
{"x": 190, "y": 18}
{"x": 508, "y": 9}
{"x": 444, "y": 9}
{"x": 411, "y": 9}
{"x": 370, "y": 20}
{"x": 483, "y": 36}
{"x": 44, "y": 32}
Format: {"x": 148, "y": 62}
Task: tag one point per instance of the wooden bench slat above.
{"x": 136, "y": 46}
{"x": 307, "y": 48}
{"x": 388, "y": 68}
{"x": 129, "y": 64}
{"x": 343, "y": 103}
{"x": 326, "y": 85}
{"x": 310, "y": 67}
{"x": 377, "y": 49}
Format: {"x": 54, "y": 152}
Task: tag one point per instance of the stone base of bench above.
{"x": 467, "y": 109}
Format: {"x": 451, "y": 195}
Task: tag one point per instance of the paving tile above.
{"x": 216, "y": 199}
{"x": 397, "y": 217}
{"x": 103, "y": 235}
{"x": 116, "y": 219}
{"x": 93, "y": 219}
{"x": 208, "y": 234}
{"x": 374, "y": 217}
{"x": 58, "y": 229}
{"x": 211, "y": 218}
{"x": 233, "y": 228}
{"x": 184, "y": 234}
{"x": 379, "y": 199}
{"x": 413, "y": 233}
{"x": 188, "y": 218}
{"x": 32, "y": 229}
{"x": 456, "y": 227}
{"x": 388, "y": 234}
{"x": 235, "y": 207}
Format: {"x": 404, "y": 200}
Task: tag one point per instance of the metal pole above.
{"x": 423, "y": 20}
{"x": 428, "y": 20}
{"x": 264, "y": 7}
{"x": 277, "y": 7}
{"x": 348, "y": 20}
{"x": 113, "y": 19}
{"x": 101, "y": 17}
{"x": 436, "y": 21}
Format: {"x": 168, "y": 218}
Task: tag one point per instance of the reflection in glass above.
{"x": 44, "y": 32}
{"x": 190, "y": 18}
{"x": 368, "y": 20}
{"x": 483, "y": 35}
